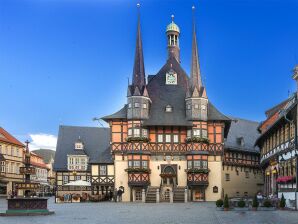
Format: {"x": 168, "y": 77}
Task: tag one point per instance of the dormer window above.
{"x": 169, "y": 108}
{"x": 196, "y": 106}
{"x": 203, "y": 107}
{"x": 79, "y": 144}
{"x": 137, "y": 105}
{"x": 240, "y": 141}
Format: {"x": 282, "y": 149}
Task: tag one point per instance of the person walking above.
{"x": 115, "y": 195}
{"x": 120, "y": 192}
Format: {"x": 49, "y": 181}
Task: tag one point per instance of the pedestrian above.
{"x": 119, "y": 194}
{"x": 111, "y": 195}
{"x": 115, "y": 195}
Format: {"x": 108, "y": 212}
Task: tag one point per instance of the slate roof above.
{"x": 96, "y": 145}
{"x": 241, "y": 128}
{"x": 46, "y": 154}
{"x": 8, "y": 138}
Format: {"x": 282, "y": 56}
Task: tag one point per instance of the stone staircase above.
{"x": 151, "y": 195}
{"x": 178, "y": 194}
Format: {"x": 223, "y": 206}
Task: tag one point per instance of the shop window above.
{"x": 227, "y": 177}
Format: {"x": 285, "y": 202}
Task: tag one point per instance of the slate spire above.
{"x": 138, "y": 78}
{"x": 196, "y": 80}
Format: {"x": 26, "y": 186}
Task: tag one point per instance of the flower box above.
{"x": 137, "y": 139}
{"x": 138, "y": 170}
{"x": 195, "y": 170}
{"x": 197, "y": 140}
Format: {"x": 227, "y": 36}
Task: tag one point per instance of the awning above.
{"x": 81, "y": 183}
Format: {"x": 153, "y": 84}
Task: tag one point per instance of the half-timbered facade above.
{"x": 278, "y": 143}
{"x": 168, "y": 136}
{"x": 83, "y": 154}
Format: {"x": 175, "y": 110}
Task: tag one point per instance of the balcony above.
{"x": 138, "y": 179}
{"x": 197, "y": 179}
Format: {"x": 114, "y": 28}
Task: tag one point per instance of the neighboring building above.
{"x": 41, "y": 173}
{"x": 77, "y": 148}
{"x": 278, "y": 143}
{"x": 11, "y": 159}
{"x": 242, "y": 175}
{"x": 48, "y": 156}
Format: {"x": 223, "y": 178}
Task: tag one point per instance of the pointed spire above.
{"x": 196, "y": 80}
{"x": 139, "y": 69}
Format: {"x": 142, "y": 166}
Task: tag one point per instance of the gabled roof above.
{"x": 162, "y": 95}
{"x": 245, "y": 130}
{"x": 8, "y": 138}
{"x": 46, "y": 154}
{"x": 96, "y": 145}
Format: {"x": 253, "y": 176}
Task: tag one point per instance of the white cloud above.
{"x": 42, "y": 141}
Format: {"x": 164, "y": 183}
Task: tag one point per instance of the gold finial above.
{"x": 172, "y": 16}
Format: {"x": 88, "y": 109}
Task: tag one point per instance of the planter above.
{"x": 267, "y": 209}
{"x": 197, "y": 140}
{"x": 137, "y": 139}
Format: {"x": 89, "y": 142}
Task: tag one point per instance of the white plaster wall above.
{"x": 121, "y": 176}
{"x": 215, "y": 179}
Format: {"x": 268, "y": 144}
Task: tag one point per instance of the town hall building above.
{"x": 167, "y": 141}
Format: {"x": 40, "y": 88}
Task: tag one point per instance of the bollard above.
{"x": 171, "y": 196}
{"x": 157, "y": 195}
{"x": 143, "y": 196}
{"x": 185, "y": 195}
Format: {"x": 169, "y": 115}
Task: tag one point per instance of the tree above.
{"x": 282, "y": 202}
{"x": 226, "y": 202}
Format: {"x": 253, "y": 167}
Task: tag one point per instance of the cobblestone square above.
{"x": 163, "y": 213}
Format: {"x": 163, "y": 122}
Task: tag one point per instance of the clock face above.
{"x": 171, "y": 78}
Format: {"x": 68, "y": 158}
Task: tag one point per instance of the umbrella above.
{"x": 80, "y": 183}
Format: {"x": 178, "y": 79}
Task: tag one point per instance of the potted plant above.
{"x": 241, "y": 203}
{"x": 226, "y": 203}
{"x": 219, "y": 204}
{"x": 255, "y": 203}
{"x": 282, "y": 203}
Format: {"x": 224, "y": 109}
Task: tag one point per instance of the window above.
{"x": 102, "y": 170}
{"x": 77, "y": 162}
{"x": 227, "y": 176}
{"x": 168, "y": 138}
{"x": 145, "y": 105}
{"x": 189, "y": 164}
{"x": 79, "y": 145}
{"x": 145, "y": 164}
{"x": 204, "y": 133}
{"x": 188, "y": 133}
{"x": 160, "y": 138}
{"x": 129, "y": 105}
{"x": 246, "y": 174}
{"x": 204, "y": 164}
{"x": 88, "y": 179}
{"x": 138, "y": 195}
{"x": 196, "y": 132}
{"x": 65, "y": 179}
{"x": 77, "y": 177}
{"x": 2, "y": 167}
{"x": 144, "y": 132}
{"x": 129, "y": 132}
{"x": 188, "y": 106}
{"x": 196, "y": 106}
{"x": 197, "y": 164}
{"x": 176, "y": 138}
{"x": 136, "y": 163}
{"x": 203, "y": 107}
{"x": 136, "y": 132}
{"x": 137, "y": 105}
{"x": 129, "y": 163}
{"x": 169, "y": 108}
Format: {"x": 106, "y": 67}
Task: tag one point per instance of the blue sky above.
{"x": 67, "y": 61}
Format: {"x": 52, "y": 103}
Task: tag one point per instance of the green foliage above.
{"x": 197, "y": 139}
{"x": 196, "y": 170}
{"x": 219, "y": 203}
{"x": 267, "y": 203}
{"x": 137, "y": 139}
{"x": 226, "y": 202}
{"x": 241, "y": 204}
{"x": 255, "y": 202}
{"x": 282, "y": 202}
